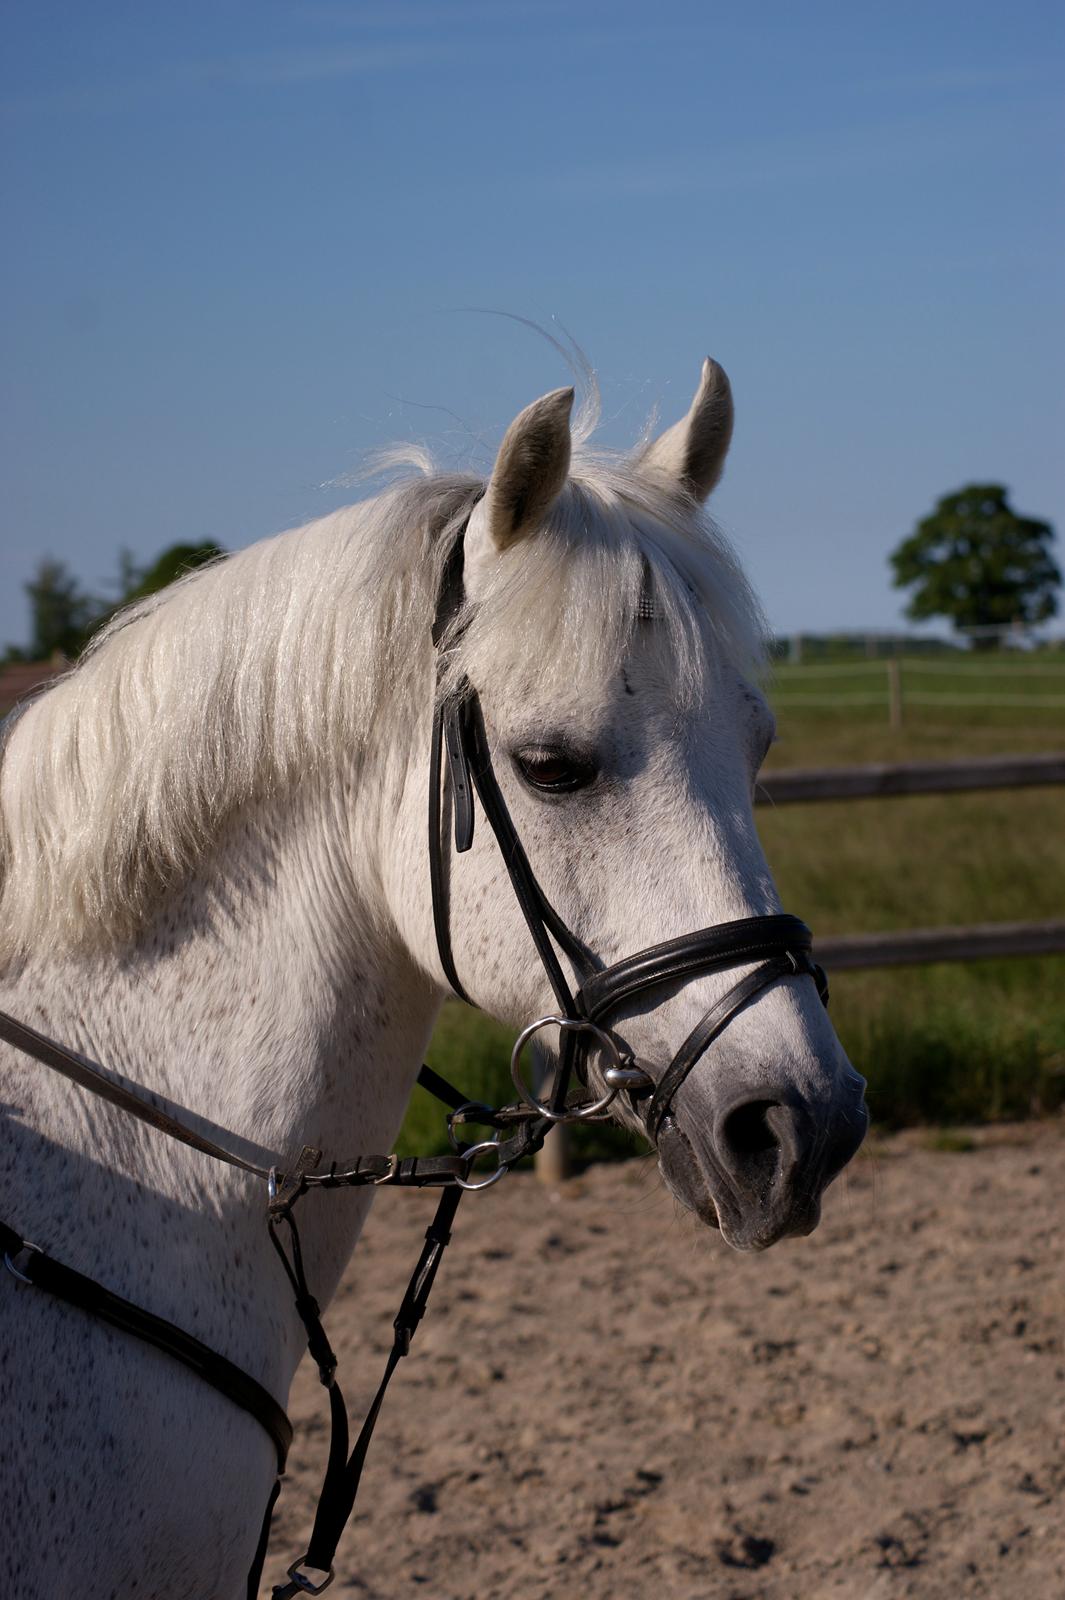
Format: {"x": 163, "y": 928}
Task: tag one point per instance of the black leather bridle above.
{"x": 775, "y": 947}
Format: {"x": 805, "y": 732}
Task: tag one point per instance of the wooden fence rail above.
{"x": 913, "y": 947}
{"x": 906, "y": 778}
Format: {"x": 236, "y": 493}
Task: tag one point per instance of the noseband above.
{"x": 775, "y": 946}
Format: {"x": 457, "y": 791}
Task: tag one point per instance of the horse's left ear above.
{"x": 692, "y": 453}
{"x": 530, "y": 470}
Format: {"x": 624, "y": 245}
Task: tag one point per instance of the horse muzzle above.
{"x": 758, "y": 1167}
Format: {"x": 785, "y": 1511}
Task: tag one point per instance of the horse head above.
{"x": 612, "y": 646}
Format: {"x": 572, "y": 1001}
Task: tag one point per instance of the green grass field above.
{"x": 949, "y": 1043}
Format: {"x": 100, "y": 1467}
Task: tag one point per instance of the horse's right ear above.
{"x": 527, "y": 478}
{"x": 691, "y": 454}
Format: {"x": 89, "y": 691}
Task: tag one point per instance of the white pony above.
{"x": 214, "y": 880}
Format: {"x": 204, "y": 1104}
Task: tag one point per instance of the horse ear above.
{"x": 692, "y": 453}
{"x": 530, "y": 469}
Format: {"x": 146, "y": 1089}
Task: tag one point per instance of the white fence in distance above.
{"x": 897, "y": 673}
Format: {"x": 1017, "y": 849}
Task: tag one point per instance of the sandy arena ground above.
{"x": 606, "y": 1401}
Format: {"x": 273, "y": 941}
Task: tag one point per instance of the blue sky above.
{"x": 243, "y": 240}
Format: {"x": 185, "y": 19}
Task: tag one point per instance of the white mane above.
{"x": 250, "y": 673}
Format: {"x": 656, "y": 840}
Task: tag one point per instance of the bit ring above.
{"x": 582, "y": 1111}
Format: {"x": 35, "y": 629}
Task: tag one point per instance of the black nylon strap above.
{"x": 44, "y": 1272}
{"x": 435, "y": 1084}
{"x": 344, "y": 1472}
{"x": 447, "y": 733}
{"x": 459, "y": 773}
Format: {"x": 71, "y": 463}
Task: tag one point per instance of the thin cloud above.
{"x": 264, "y": 69}
{"x": 887, "y": 147}
{"x": 326, "y": 63}
{"x": 439, "y": 16}
{"x": 960, "y": 80}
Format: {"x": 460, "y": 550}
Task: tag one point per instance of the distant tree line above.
{"x": 64, "y": 617}
{"x": 973, "y": 561}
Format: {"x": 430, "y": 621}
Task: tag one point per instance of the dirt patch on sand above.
{"x": 605, "y": 1400}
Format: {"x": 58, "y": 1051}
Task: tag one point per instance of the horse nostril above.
{"x": 750, "y": 1145}
{"x": 746, "y": 1131}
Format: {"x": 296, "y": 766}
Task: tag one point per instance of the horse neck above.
{"x": 264, "y": 1002}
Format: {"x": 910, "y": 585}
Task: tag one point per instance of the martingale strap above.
{"x": 31, "y": 1265}
{"x": 313, "y": 1572}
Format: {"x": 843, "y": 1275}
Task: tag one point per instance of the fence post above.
{"x": 552, "y": 1160}
{"x": 552, "y": 1163}
{"x": 894, "y": 671}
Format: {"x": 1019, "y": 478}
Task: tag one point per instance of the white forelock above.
{"x": 274, "y": 662}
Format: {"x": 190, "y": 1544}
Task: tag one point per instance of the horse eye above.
{"x": 552, "y": 770}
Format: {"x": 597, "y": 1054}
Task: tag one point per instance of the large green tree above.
{"x": 977, "y": 562}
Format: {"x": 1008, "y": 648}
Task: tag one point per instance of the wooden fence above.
{"x": 914, "y": 946}
{"x": 981, "y": 941}
{"x": 908, "y": 778}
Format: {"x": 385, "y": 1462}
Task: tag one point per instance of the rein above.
{"x": 777, "y": 947}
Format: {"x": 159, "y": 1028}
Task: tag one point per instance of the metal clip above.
{"x": 299, "y": 1583}
{"x": 26, "y": 1248}
{"x": 386, "y": 1177}
{"x": 283, "y": 1188}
